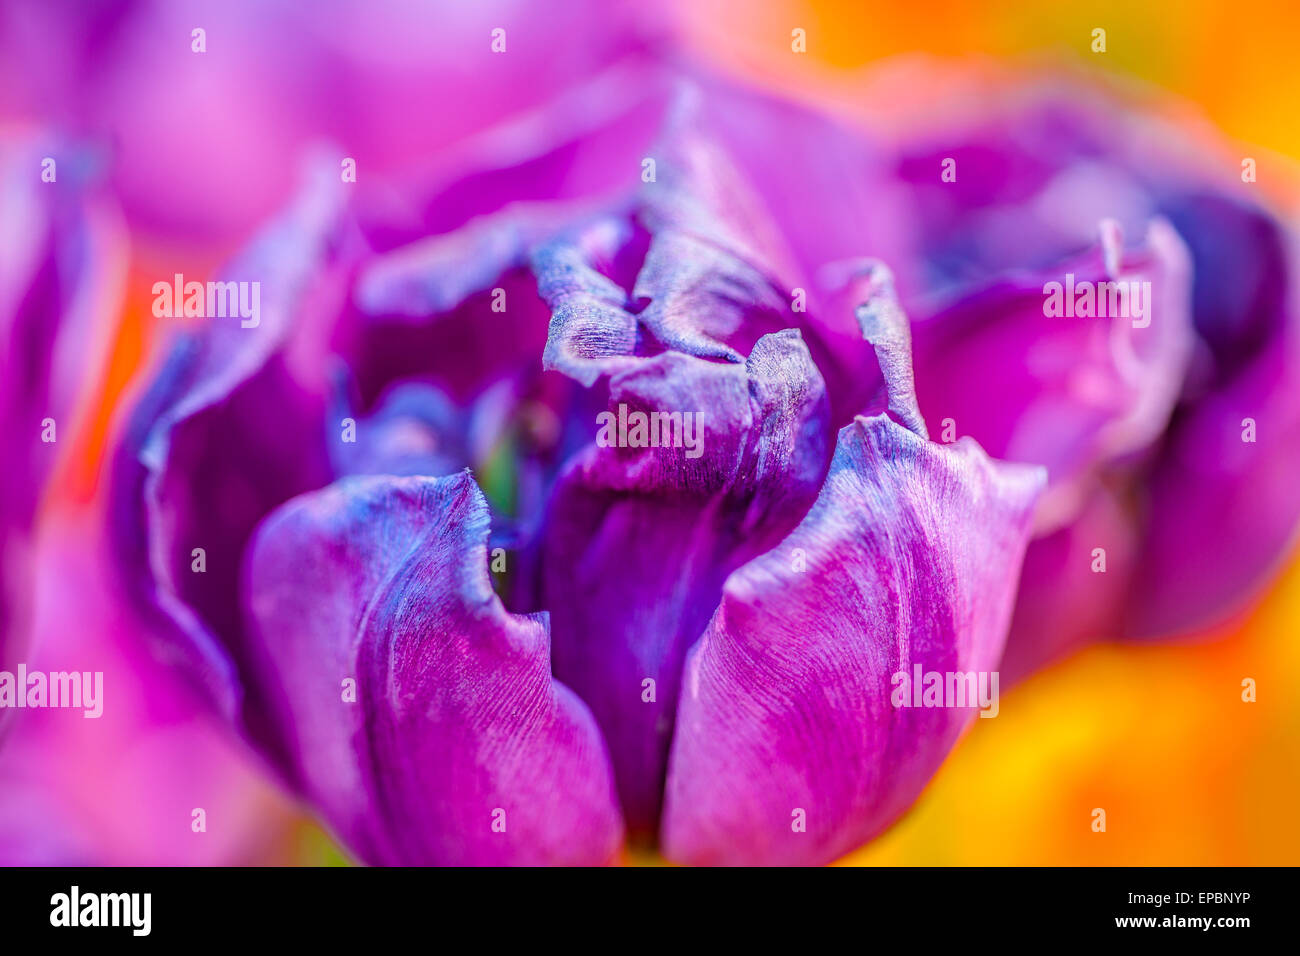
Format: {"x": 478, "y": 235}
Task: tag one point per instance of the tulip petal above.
{"x": 909, "y": 556}
{"x": 204, "y": 456}
{"x": 885, "y": 327}
{"x": 829, "y": 190}
{"x": 1069, "y": 392}
{"x": 638, "y": 540}
{"x": 457, "y": 724}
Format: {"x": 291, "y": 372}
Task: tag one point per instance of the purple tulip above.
{"x": 1170, "y": 440}
{"x": 410, "y": 533}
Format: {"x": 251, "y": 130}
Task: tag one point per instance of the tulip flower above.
{"x": 379, "y": 532}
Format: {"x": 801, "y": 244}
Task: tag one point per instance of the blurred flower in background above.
{"x": 62, "y": 265}
{"x": 201, "y": 146}
{"x": 1059, "y": 167}
{"x": 1150, "y": 424}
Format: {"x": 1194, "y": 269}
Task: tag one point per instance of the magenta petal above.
{"x": 912, "y": 553}
{"x": 459, "y": 747}
{"x": 1070, "y": 393}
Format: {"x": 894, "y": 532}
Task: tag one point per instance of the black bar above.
{"x": 979, "y": 906}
